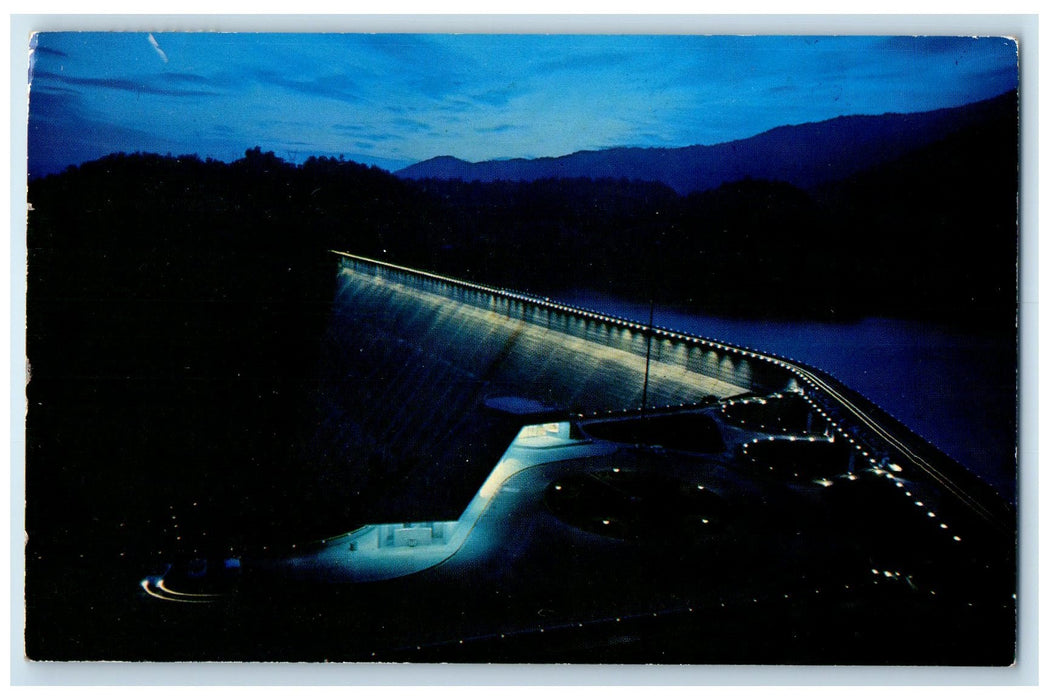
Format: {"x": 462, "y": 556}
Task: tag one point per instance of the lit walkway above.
{"x": 385, "y": 551}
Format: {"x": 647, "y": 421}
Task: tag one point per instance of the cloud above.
{"x": 498, "y": 97}
{"x": 1007, "y": 75}
{"x": 53, "y": 90}
{"x": 350, "y": 128}
{"x": 44, "y": 50}
{"x": 411, "y": 124}
{"x": 53, "y": 105}
{"x": 334, "y": 87}
{"x": 123, "y": 84}
{"x": 377, "y": 138}
{"x": 54, "y": 144}
{"x": 498, "y": 129}
{"x": 189, "y": 78}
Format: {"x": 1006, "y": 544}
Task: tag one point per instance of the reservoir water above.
{"x": 957, "y": 390}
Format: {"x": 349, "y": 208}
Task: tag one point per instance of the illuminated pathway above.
{"x": 378, "y": 552}
{"x": 385, "y": 551}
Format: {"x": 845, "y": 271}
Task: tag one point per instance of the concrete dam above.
{"x": 550, "y": 484}
{"x": 550, "y": 351}
{"x": 421, "y": 357}
{"x": 422, "y": 360}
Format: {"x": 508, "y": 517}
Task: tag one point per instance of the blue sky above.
{"x": 395, "y": 99}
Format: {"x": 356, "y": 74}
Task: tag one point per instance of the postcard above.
{"x": 522, "y": 348}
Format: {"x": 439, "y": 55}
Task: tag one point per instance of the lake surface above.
{"x": 956, "y": 390}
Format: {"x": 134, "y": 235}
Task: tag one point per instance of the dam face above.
{"x": 415, "y": 363}
{"x": 511, "y": 503}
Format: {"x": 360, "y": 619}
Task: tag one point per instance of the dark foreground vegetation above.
{"x": 176, "y": 309}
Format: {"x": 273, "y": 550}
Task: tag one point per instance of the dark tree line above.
{"x": 174, "y": 313}
{"x": 930, "y": 236}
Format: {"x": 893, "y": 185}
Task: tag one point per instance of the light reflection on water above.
{"x": 957, "y": 390}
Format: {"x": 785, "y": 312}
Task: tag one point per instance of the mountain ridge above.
{"x": 805, "y": 155}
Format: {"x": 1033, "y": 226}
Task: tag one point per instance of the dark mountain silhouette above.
{"x": 805, "y": 155}
{"x": 936, "y": 229}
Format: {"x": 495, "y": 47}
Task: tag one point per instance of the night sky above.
{"x": 395, "y": 99}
